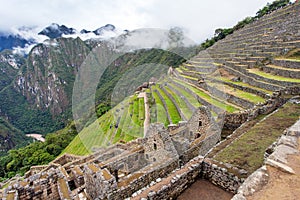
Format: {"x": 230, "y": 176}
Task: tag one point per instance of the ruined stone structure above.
{"x": 118, "y": 171}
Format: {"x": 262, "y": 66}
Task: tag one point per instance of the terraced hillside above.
{"x": 236, "y": 74}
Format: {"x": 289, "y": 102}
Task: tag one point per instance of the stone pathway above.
{"x": 147, "y": 112}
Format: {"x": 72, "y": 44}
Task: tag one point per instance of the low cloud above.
{"x": 199, "y": 19}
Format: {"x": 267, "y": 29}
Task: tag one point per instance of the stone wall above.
{"x": 38, "y": 186}
{"x": 286, "y": 64}
{"x": 245, "y": 89}
{"x": 143, "y": 180}
{"x": 252, "y": 81}
{"x": 222, "y": 175}
{"x": 281, "y": 72}
{"x": 234, "y": 120}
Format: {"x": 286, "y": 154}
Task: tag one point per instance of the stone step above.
{"x": 281, "y": 71}
{"x": 202, "y": 71}
{"x": 252, "y": 81}
{"x": 214, "y": 97}
{"x": 287, "y": 63}
{"x": 226, "y": 92}
{"x": 273, "y": 79}
{"x": 243, "y": 86}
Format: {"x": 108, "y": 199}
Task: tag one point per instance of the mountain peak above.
{"x": 107, "y": 27}
{"x": 55, "y": 30}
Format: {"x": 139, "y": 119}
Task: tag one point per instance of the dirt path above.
{"x": 282, "y": 186}
{"x": 147, "y": 112}
{"x": 204, "y": 190}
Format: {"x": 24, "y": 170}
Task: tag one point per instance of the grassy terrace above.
{"x": 284, "y": 68}
{"x": 187, "y": 95}
{"x": 152, "y": 107}
{"x": 118, "y": 131}
{"x": 160, "y": 110}
{"x": 116, "y": 125}
{"x": 183, "y": 69}
{"x": 131, "y": 124}
{"x": 89, "y": 136}
{"x": 141, "y": 111}
{"x": 244, "y": 85}
{"x": 208, "y": 98}
{"x": 248, "y": 151}
{"x": 238, "y": 93}
{"x": 180, "y": 102}
{"x": 171, "y": 108}
{"x": 296, "y": 59}
{"x": 189, "y": 77}
{"x": 274, "y": 77}
{"x": 135, "y": 111}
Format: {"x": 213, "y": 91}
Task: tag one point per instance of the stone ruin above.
{"x": 120, "y": 170}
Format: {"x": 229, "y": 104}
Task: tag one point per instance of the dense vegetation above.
{"x": 10, "y": 137}
{"x": 18, "y": 161}
{"x": 221, "y": 33}
{"x": 23, "y": 116}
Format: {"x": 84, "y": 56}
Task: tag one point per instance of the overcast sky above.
{"x": 198, "y": 18}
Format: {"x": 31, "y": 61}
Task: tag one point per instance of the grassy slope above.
{"x": 248, "y": 151}
{"x": 121, "y": 124}
{"x": 238, "y": 93}
{"x": 205, "y": 96}
{"x": 173, "y": 112}
{"x": 179, "y": 101}
{"x": 160, "y": 110}
{"x": 274, "y": 77}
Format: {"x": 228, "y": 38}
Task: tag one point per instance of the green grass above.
{"x": 135, "y": 113}
{"x": 238, "y": 93}
{"x": 189, "y": 77}
{"x": 208, "y": 98}
{"x": 270, "y": 76}
{"x": 100, "y": 134}
{"x": 187, "y": 95}
{"x": 161, "y": 112}
{"x": 171, "y": 108}
{"x": 152, "y": 107}
{"x": 244, "y": 85}
{"x": 118, "y": 131}
{"x": 180, "y": 102}
{"x": 248, "y": 151}
{"x": 141, "y": 111}
{"x": 183, "y": 69}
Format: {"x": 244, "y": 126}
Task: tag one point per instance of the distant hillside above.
{"x": 36, "y": 91}
{"x": 10, "y": 137}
